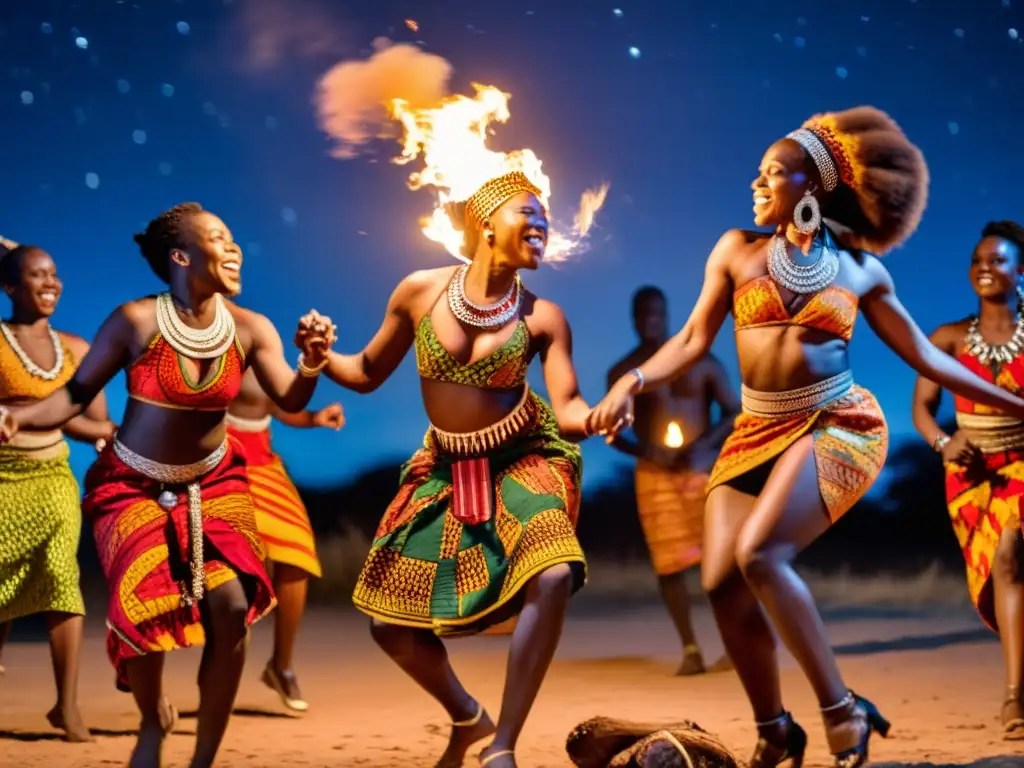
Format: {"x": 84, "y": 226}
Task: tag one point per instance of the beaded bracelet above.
{"x": 310, "y": 371}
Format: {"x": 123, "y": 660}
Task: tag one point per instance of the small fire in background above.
{"x": 451, "y": 140}
{"x": 674, "y": 436}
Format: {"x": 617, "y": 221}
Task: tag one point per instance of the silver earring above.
{"x": 807, "y": 214}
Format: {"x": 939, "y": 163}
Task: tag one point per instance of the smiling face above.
{"x": 520, "y": 228}
{"x": 212, "y": 256}
{"x": 38, "y": 288}
{"x": 781, "y": 181}
{"x": 995, "y": 267}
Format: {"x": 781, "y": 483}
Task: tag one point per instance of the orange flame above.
{"x": 451, "y": 139}
{"x": 673, "y": 436}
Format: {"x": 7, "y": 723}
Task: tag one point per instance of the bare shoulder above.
{"x": 734, "y": 240}
{"x": 75, "y": 344}
{"x": 545, "y": 317}
{"x": 949, "y": 335}
{"x": 417, "y": 291}
{"x": 138, "y": 310}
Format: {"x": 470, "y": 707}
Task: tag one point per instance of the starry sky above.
{"x": 115, "y": 110}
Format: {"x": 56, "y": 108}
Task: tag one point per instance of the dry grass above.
{"x": 342, "y": 556}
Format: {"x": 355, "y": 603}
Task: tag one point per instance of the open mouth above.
{"x": 234, "y": 267}
{"x": 48, "y": 297}
{"x": 985, "y": 281}
{"x": 761, "y": 200}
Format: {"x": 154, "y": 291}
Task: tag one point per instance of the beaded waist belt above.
{"x": 795, "y": 402}
{"x": 488, "y": 438}
{"x": 992, "y": 433}
{"x": 243, "y": 424}
{"x": 188, "y": 475}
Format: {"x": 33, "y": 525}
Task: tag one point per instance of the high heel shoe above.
{"x": 779, "y": 740}
{"x": 854, "y": 710}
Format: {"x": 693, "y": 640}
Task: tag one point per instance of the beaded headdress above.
{"x": 832, "y": 151}
{"x": 496, "y": 191}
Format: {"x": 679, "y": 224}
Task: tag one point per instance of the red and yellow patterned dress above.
{"x": 983, "y": 500}
{"x": 850, "y": 435}
{"x": 144, "y": 548}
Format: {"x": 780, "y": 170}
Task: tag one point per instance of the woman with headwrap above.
{"x": 483, "y": 526}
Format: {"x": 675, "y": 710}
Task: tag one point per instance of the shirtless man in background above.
{"x": 675, "y": 444}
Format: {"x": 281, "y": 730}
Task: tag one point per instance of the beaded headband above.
{"x": 826, "y": 149}
{"x": 496, "y": 191}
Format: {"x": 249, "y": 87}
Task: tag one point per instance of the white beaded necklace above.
{"x": 195, "y": 343}
{"x": 27, "y": 362}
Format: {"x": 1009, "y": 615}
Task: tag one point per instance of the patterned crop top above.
{"x": 16, "y": 383}
{"x": 159, "y": 377}
{"x": 757, "y": 304}
{"x": 1010, "y": 377}
{"x": 505, "y": 368}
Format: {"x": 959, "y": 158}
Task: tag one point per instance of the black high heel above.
{"x": 768, "y": 754}
{"x": 854, "y": 707}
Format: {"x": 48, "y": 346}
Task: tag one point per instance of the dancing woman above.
{"x": 984, "y": 458}
{"x": 282, "y": 521}
{"x": 483, "y": 527}
{"x": 40, "y": 516}
{"x": 809, "y": 442}
{"x": 168, "y": 498}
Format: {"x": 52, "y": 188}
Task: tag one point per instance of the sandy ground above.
{"x": 936, "y": 675}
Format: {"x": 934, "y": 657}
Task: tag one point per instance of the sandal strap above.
{"x": 495, "y": 755}
{"x": 473, "y": 720}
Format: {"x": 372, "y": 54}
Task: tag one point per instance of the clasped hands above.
{"x": 314, "y": 337}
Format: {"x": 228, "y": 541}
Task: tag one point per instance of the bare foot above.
{"x": 149, "y": 747}
{"x": 498, "y": 757}
{"x": 68, "y": 718}
{"x": 463, "y": 737}
{"x": 693, "y": 662}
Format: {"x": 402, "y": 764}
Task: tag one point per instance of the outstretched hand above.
{"x": 614, "y": 413}
{"x": 8, "y": 425}
{"x": 314, "y": 336}
{"x": 332, "y": 416}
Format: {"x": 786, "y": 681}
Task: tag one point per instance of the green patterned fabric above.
{"x": 504, "y": 369}
{"x": 427, "y": 569}
{"x": 40, "y": 525}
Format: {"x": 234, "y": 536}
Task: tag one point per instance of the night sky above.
{"x": 114, "y": 111}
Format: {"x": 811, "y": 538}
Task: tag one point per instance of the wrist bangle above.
{"x": 310, "y": 371}
{"x": 639, "y": 383}
{"x": 940, "y": 442}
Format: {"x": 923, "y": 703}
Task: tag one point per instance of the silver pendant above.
{"x": 168, "y": 500}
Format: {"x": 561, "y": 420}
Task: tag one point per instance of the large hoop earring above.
{"x": 807, "y": 214}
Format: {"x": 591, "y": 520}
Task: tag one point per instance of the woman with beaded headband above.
{"x": 809, "y": 442}
{"x": 483, "y": 526}
{"x": 40, "y": 514}
{"x": 168, "y": 498}
{"x": 984, "y": 458}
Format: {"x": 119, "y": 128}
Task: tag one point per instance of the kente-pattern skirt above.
{"x": 464, "y": 536}
{"x": 670, "y": 504}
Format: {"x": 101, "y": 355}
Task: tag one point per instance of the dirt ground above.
{"x": 936, "y": 674}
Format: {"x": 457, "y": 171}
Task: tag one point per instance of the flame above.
{"x": 673, "y": 436}
{"x": 411, "y": 24}
{"x": 451, "y": 139}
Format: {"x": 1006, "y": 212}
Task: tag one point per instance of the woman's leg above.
{"x": 534, "y": 642}
{"x": 291, "y": 585}
{"x": 5, "y": 631}
{"x": 224, "y": 612}
{"x": 145, "y": 677}
{"x": 422, "y": 656}
{"x": 748, "y": 640}
{"x": 1008, "y": 597}
{"x": 65, "y": 630}
{"x": 789, "y": 515}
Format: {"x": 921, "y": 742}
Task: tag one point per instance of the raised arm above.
{"x": 332, "y": 416}
{"x": 893, "y": 324}
{"x": 364, "y": 371}
{"x": 290, "y": 390}
{"x": 109, "y": 353}
{"x": 683, "y": 350}
{"x": 570, "y": 408}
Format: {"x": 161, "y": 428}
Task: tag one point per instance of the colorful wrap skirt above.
{"x": 281, "y": 516}
{"x": 40, "y": 526}
{"x": 475, "y": 518}
{"x": 850, "y": 437}
{"x": 163, "y": 545}
{"x": 670, "y": 503}
{"x": 985, "y": 499}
